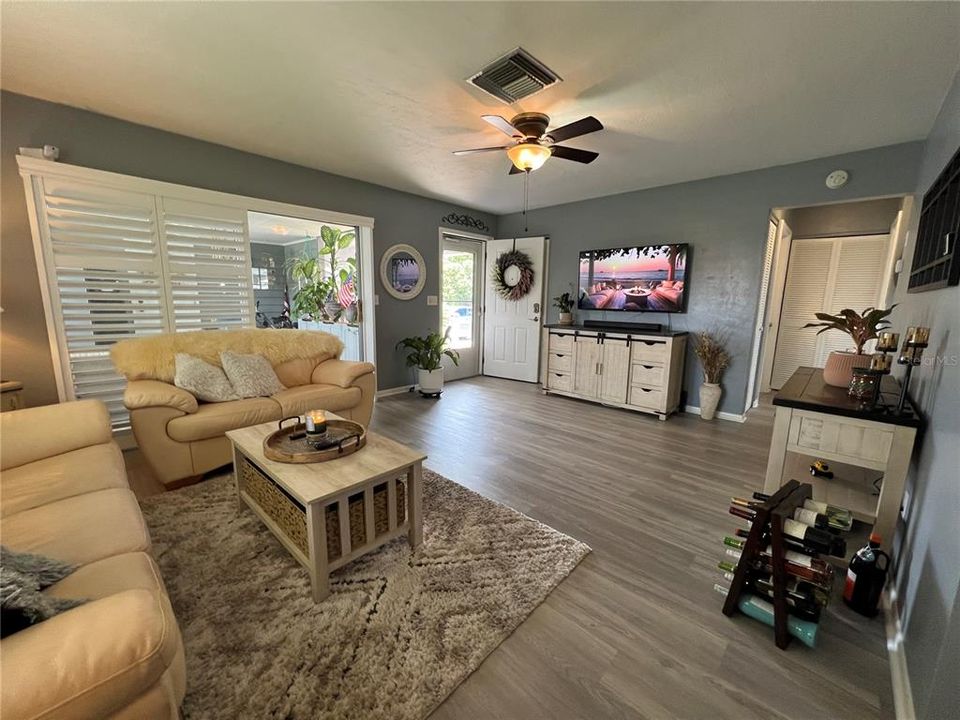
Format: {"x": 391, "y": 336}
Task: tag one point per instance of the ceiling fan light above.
{"x": 528, "y": 156}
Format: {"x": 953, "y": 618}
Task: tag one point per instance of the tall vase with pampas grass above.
{"x": 714, "y": 359}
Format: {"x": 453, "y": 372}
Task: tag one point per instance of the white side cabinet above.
{"x": 642, "y": 372}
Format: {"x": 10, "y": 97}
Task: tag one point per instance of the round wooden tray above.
{"x": 343, "y": 437}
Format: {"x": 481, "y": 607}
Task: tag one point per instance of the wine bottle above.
{"x": 797, "y": 564}
{"x": 760, "y": 609}
{"x": 820, "y": 540}
{"x": 803, "y": 599}
{"x": 747, "y": 510}
{"x": 838, "y": 517}
{"x": 789, "y": 542}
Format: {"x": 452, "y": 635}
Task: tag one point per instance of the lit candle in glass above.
{"x": 888, "y": 341}
{"x": 918, "y": 335}
{"x": 881, "y": 363}
{"x": 316, "y": 422}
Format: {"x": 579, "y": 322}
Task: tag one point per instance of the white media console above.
{"x": 632, "y": 370}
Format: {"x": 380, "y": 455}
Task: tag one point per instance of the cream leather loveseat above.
{"x": 182, "y": 438}
{"x": 64, "y": 494}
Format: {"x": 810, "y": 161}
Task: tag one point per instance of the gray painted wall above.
{"x": 856, "y": 218}
{"x": 105, "y": 143}
{"x": 928, "y": 576}
{"x": 725, "y": 221}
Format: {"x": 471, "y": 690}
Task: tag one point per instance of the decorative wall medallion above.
{"x": 513, "y": 275}
{"x": 465, "y": 221}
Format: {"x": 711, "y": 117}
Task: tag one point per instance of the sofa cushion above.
{"x": 216, "y": 418}
{"x": 296, "y": 372}
{"x": 80, "y": 529}
{"x": 297, "y": 400}
{"x": 110, "y": 575}
{"x": 250, "y": 375}
{"x": 207, "y": 382}
{"x": 97, "y": 467}
{"x": 92, "y": 660}
{"x": 23, "y": 604}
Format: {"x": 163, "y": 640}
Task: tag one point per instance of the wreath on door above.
{"x": 513, "y": 275}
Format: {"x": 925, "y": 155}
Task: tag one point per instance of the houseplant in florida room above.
{"x": 862, "y": 327}
{"x": 714, "y": 359}
{"x": 425, "y": 354}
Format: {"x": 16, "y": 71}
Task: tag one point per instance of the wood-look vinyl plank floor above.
{"x": 636, "y": 630}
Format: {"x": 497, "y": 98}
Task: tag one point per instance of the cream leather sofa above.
{"x": 64, "y": 494}
{"x": 182, "y": 438}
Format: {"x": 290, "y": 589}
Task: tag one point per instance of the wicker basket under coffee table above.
{"x": 330, "y": 513}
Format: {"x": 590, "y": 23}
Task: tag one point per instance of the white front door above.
{"x": 511, "y": 338}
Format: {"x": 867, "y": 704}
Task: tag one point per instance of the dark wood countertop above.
{"x": 806, "y": 390}
{"x": 619, "y": 330}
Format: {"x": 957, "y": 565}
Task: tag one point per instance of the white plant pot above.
{"x": 709, "y": 399}
{"x": 566, "y": 318}
{"x": 431, "y": 381}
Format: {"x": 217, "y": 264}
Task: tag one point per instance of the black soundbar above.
{"x": 622, "y": 326}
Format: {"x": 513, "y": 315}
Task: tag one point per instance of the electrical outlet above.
{"x": 376, "y": 299}
{"x": 433, "y": 300}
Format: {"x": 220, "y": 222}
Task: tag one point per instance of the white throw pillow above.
{"x": 205, "y": 381}
{"x": 251, "y": 375}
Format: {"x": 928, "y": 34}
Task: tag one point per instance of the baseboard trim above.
{"x": 733, "y": 417}
{"x": 394, "y": 391}
{"x": 900, "y": 677}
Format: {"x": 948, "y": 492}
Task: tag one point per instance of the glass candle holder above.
{"x": 315, "y": 422}
{"x": 881, "y": 363}
{"x": 888, "y": 341}
{"x": 917, "y": 336}
{"x": 865, "y": 384}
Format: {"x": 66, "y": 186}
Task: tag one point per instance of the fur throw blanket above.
{"x": 152, "y": 358}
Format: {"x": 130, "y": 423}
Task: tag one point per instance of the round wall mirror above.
{"x": 403, "y": 272}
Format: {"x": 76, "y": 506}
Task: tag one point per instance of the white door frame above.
{"x": 478, "y": 284}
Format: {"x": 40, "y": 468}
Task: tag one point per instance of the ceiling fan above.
{"x": 533, "y": 144}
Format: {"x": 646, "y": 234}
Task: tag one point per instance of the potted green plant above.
{"x": 425, "y": 354}
{"x": 714, "y": 359}
{"x": 310, "y": 299}
{"x": 332, "y": 241}
{"x": 564, "y": 303}
{"x": 862, "y": 327}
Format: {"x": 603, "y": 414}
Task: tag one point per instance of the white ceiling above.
{"x": 376, "y": 90}
{"x": 284, "y": 230}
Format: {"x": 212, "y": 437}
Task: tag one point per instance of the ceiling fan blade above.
{"x": 480, "y": 150}
{"x": 514, "y": 170}
{"x": 502, "y": 125}
{"x": 575, "y": 129}
{"x": 568, "y": 153}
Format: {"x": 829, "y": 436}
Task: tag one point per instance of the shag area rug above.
{"x": 399, "y": 632}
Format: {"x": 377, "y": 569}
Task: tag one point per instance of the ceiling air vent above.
{"x": 516, "y": 75}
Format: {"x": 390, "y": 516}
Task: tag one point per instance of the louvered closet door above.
{"x": 825, "y": 275}
{"x": 208, "y": 265}
{"x": 858, "y": 279}
{"x": 105, "y": 280}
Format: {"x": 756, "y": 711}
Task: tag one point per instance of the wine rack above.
{"x": 768, "y": 522}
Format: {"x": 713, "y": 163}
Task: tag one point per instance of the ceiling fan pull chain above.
{"x": 526, "y": 200}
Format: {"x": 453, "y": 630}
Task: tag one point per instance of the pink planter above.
{"x": 839, "y": 368}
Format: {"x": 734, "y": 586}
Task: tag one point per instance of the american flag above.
{"x": 347, "y": 294}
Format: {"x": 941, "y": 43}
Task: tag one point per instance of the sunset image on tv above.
{"x": 634, "y": 279}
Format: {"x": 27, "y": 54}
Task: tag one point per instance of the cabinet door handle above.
{"x": 559, "y": 354}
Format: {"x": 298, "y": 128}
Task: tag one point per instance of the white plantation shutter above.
{"x": 861, "y": 263}
{"x": 208, "y": 265}
{"x": 825, "y": 275}
{"x": 105, "y": 280}
{"x": 803, "y": 295}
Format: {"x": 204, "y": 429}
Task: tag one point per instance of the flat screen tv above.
{"x": 639, "y": 278}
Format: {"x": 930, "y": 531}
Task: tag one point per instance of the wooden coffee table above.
{"x": 330, "y": 513}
